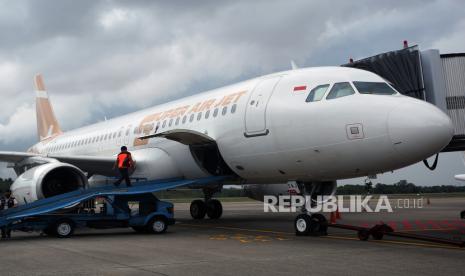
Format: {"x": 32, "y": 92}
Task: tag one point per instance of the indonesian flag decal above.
{"x": 300, "y": 88}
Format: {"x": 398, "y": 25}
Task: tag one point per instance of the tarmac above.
{"x": 247, "y": 241}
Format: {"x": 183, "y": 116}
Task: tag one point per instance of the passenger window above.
{"x": 171, "y": 122}
{"x": 215, "y": 113}
{"x": 233, "y": 108}
{"x": 340, "y": 89}
{"x": 199, "y": 116}
{"x": 191, "y": 118}
{"x": 207, "y": 114}
{"x": 317, "y": 93}
{"x": 164, "y": 124}
{"x": 225, "y": 109}
{"x": 177, "y": 121}
{"x": 184, "y": 119}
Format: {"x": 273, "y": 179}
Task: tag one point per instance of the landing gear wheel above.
{"x": 319, "y": 225}
{"x": 462, "y": 214}
{"x": 363, "y": 234}
{"x": 214, "y": 209}
{"x": 314, "y": 225}
{"x": 63, "y": 228}
{"x": 302, "y": 225}
{"x": 157, "y": 225}
{"x": 198, "y": 209}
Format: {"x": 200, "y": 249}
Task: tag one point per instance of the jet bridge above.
{"x": 427, "y": 75}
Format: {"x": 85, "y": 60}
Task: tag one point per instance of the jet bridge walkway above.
{"x": 51, "y": 204}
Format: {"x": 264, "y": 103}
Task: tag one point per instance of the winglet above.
{"x": 460, "y": 177}
{"x": 47, "y": 124}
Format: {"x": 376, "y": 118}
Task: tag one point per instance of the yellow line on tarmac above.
{"x": 328, "y": 237}
{"x": 236, "y": 228}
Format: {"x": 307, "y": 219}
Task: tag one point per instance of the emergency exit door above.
{"x": 255, "y": 113}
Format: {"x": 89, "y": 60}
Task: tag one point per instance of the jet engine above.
{"x": 47, "y": 180}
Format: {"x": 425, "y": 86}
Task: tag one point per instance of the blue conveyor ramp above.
{"x": 58, "y": 202}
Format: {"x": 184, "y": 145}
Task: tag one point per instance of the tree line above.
{"x": 401, "y": 187}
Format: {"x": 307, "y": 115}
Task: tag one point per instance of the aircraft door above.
{"x": 255, "y": 113}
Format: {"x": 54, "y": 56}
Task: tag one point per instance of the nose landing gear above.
{"x": 311, "y": 225}
{"x": 307, "y": 224}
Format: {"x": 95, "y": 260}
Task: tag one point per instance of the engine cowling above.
{"x": 47, "y": 180}
{"x": 258, "y": 191}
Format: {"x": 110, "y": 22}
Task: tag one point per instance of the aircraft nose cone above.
{"x": 419, "y": 130}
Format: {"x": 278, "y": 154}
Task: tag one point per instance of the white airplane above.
{"x": 311, "y": 125}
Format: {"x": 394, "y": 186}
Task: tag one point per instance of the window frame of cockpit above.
{"x": 332, "y": 86}
{"x": 328, "y": 88}
{"x": 379, "y": 82}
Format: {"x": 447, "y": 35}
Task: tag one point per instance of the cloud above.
{"x": 19, "y": 125}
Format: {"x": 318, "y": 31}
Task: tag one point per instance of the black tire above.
{"x": 302, "y": 225}
{"x": 156, "y": 225}
{"x": 319, "y": 227}
{"x": 214, "y": 209}
{"x": 139, "y": 229}
{"x": 363, "y": 234}
{"x": 63, "y": 228}
{"x": 198, "y": 209}
{"x": 48, "y": 231}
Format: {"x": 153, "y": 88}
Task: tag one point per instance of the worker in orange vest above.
{"x": 124, "y": 162}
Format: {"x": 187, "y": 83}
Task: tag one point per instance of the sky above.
{"x": 107, "y": 58}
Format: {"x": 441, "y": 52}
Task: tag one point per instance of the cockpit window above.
{"x": 340, "y": 89}
{"x": 378, "y": 88}
{"x": 317, "y": 93}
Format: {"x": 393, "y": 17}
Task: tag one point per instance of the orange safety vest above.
{"x": 124, "y": 160}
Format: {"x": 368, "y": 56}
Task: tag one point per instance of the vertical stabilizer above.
{"x": 47, "y": 124}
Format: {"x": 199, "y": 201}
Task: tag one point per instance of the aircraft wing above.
{"x": 102, "y": 165}
{"x": 15, "y": 157}
{"x": 92, "y": 164}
